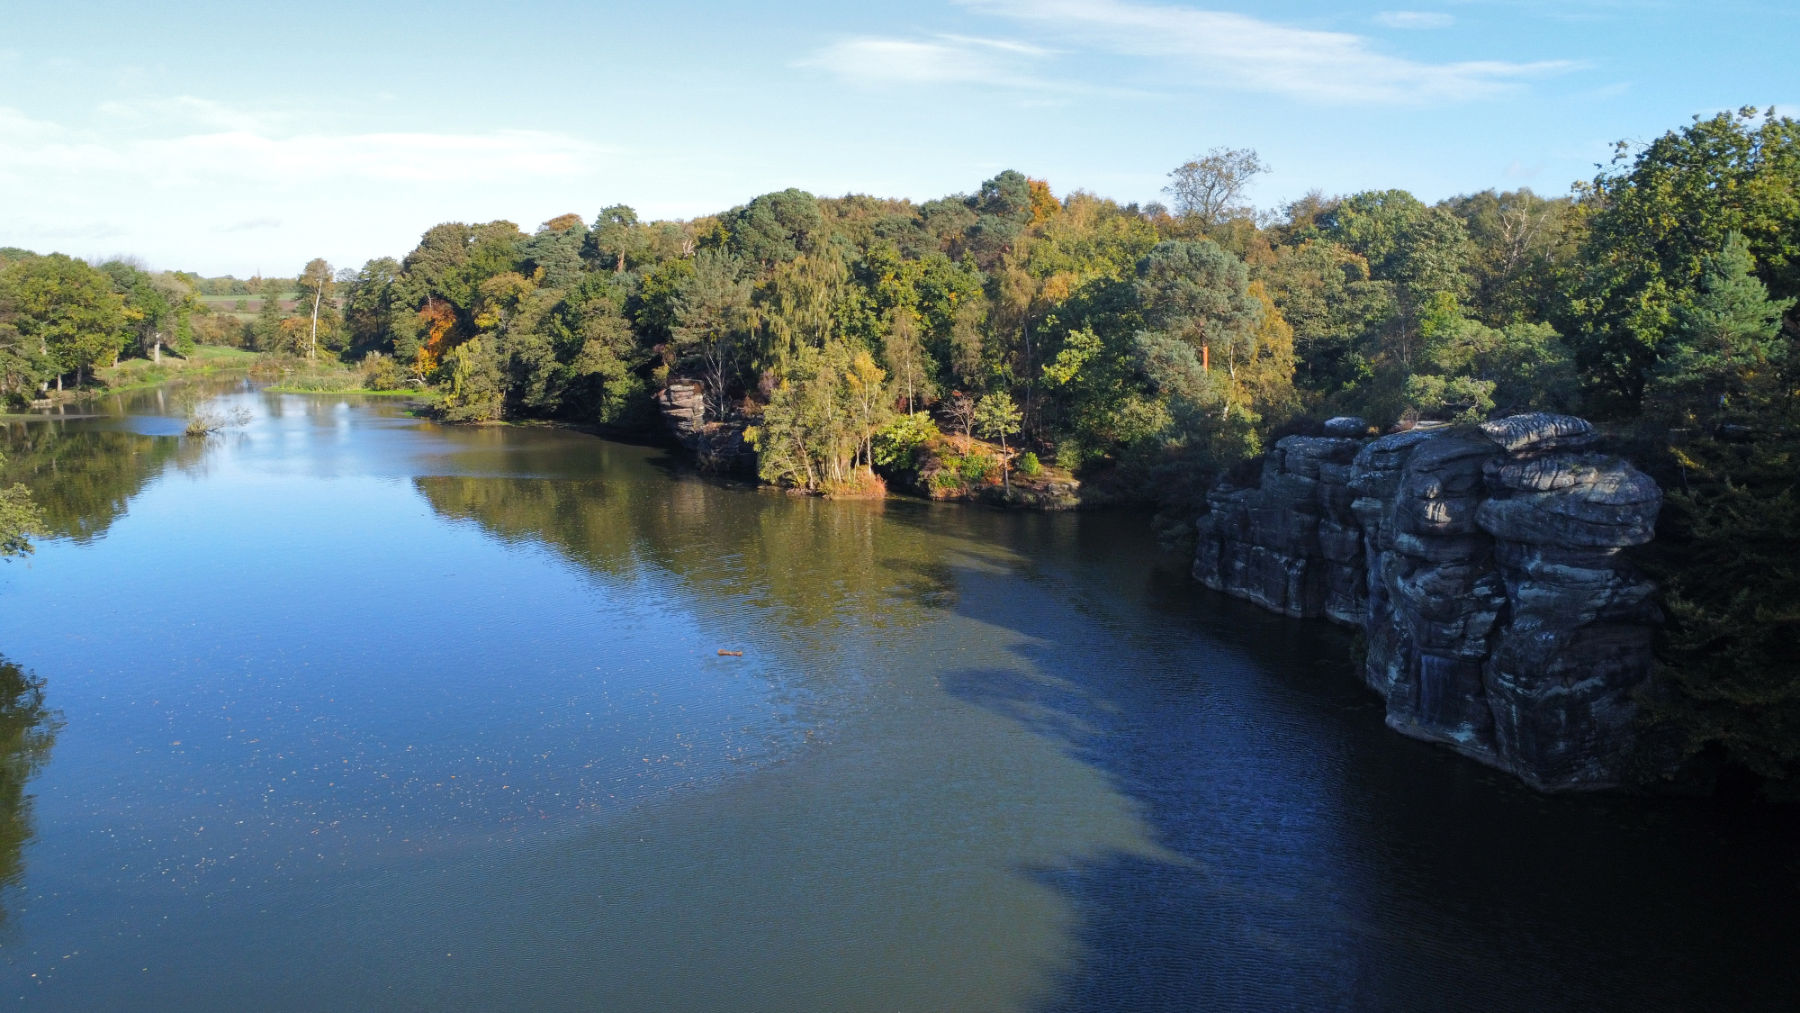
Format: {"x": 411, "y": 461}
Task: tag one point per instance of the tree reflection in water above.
{"x": 27, "y": 730}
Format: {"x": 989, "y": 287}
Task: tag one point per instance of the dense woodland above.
{"x": 1157, "y": 346}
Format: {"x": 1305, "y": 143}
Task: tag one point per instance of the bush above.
{"x": 896, "y": 445}
{"x": 381, "y": 372}
{"x": 1069, "y": 456}
{"x": 975, "y": 468}
{"x": 1029, "y": 465}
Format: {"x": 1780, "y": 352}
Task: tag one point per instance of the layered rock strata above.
{"x": 1482, "y": 564}
{"x": 716, "y": 446}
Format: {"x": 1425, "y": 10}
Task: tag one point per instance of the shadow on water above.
{"x": 1307, "y": 858}
{"x": 27, "y": 731}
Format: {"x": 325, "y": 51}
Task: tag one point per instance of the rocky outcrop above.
{"x": 1482, "y": 564}
{"x": 717, "y": 446}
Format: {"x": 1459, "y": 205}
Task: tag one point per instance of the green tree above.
{"x": 553, "y": 256}
{"x": 372, "y": 313}
{"x": 820, "y": 418}
{"x": 712, "y": 319}
{"x": 803, "y": 302}
{"x": 1200, "y": 294}
{"x": 476, "y": 390}
{"x": 1726, "y": 342}
{"x": 774, "y": 227}
{"x": 617, "y": 238}
{"x": 1651, "y": 224}
{"x": 68, "y": 309}
{"x": 997, "y": 417}
{"x": 266, "y": 328}
{"x": 904, "y": 349}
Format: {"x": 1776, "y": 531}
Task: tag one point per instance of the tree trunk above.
{"x": 312, "y": 349}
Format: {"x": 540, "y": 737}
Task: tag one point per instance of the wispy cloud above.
{"x": 185, "y": 140}
{"x": 1207, "y": 47}
{"x": 1414, "y": 19}
{"x": 249, "y": 225}
{"x": 937, "y": 60}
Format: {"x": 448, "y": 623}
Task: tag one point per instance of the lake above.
{"x": 343, "y": 709}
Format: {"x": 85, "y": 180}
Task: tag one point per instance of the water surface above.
{"x": 344, "y": 709}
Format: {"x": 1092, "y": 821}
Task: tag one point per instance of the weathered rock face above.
{"x": 1482, "y": 564}
{"x": 716, "y": 446}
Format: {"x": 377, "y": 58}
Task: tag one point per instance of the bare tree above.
{"x": 1209, "y": 188}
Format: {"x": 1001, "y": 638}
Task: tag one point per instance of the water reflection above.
{"x": 807, "y": 567}
{"x": 82, "y": 477}
{"x": 27, "y": 731}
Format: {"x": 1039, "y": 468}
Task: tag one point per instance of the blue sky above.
{"x": 239, "y": 138}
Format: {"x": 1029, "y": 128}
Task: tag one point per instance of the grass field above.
{"x": 227, "y": 304}
{"x": 133, "y": 374}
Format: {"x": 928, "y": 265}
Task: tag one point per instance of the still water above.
{"x": 347, "y": 710}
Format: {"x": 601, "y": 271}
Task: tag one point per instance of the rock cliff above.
{"x": 716, "y": 446}
{"x": 1482, "y": 564}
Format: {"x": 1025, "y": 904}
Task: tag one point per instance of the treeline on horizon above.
{"x": 1160, "y": 344}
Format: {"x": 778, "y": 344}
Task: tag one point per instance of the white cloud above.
{"x": 1414, "y": 19}
{"x": 943, "y": 59}
{"x": 242, "y": 146}
{"x": 1247, "y": 53}
{"x": 210, "y": 186}
{"x": 249, "y": 225}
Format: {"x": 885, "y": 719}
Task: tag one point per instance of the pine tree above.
{"x": 1726, "y": 344}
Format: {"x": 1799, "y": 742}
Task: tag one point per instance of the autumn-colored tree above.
{"x": 437, "y": 327}
{"x": 1044, "y": 204}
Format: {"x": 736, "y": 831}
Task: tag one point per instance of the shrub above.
{"x": 1029, "y": 465}
{"x": 381, "y": 372}
{"x": 896, "y": 445}
{"x": 1069, "y": 455}
{"x": 975, "y": 468}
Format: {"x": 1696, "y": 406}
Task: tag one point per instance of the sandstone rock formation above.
{"x": 716, "y": 446}
{"x": 1482, "y": 564}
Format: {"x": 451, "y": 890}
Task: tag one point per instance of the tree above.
{"x": 712, "y": 318}
{"x": 67, "y": 309}
{"x": 554, "y": 254}
{"x": 1652, "y": 222}
{"x": 1521, "y": 244}
{"x": 802, "y": 304}
{"x": 476, "y": 388}
{"x": 315, "y": 284}
{"x": 1209, "y": 188}
{"x": 1325, "y": 293}
{"x": 617, "y": 237}
{"x": 959, "y": 409}
{"x": 1420, "y": 251}
{"x": 774, "y": 227}
{"x": 820, "y": 418}
{"x": 907, "y": 359}
{"x": 996, "y": 417}
{"x": 370, "y": 309}
{"x": 266, "y": 329}
{"x": 1726, "y": 341}
{"x": 1195, "y": 291}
